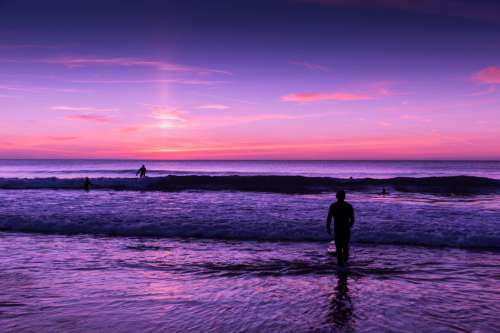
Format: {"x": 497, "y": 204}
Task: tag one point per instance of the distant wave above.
{"x": 273, "y": 184}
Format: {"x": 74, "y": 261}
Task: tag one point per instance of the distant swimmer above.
{"x": 343, "y": 215}
{"x": 86, "y": 184}
{"x": 384, "y": 191}
{"x": 141, "y": 172}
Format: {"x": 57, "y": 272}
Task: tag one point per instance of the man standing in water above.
{"x": 141, "y": 172}
{"x": 343, "y": 215}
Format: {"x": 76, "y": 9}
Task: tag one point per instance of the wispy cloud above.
{"x": 30, "y": 88}
{"x": 130, "y": 129}
{"x": 489, "y": 90}
{"x": 310, "y": 66}
{"x": 28, "y": 46}
{"x": 307, "y": 97}
{"x": 167, "y": 116}
{"x": 214, "y": 106}
{"x": 80, "y": 108}
{"x": 414, "y": 118}
{"x": 174, "y": 81}
{"x": 17, "y": 87}
{"x": 62, "y": 138}
{"x": 489, "y": 75}
{"x": 89, "y": 117}
{"x": 72, "y": 62}
{"x": 457, "y": 8}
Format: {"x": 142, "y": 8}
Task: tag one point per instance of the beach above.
{"x": 245, "y": 260}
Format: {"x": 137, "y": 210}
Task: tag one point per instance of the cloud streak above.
{"x": 28, "y": 46}
{"x": 214, "y": 107}
{"x": 139, "y": 81}
{"x": 89, "y": 117}
{"x": 75, "y": 62}
{"x": 80, "y": 108}
{"x": 489, "y": 75}
{"x": 168, "y": 117}
{"x": 308, "y": 97}
{"x": 310, "y": 66}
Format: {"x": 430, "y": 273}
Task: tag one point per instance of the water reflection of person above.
{"x": 341, "y": 309}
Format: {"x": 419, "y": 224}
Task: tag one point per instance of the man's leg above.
{"x": 339, "y": 245}
{"x": 338, "y": 248}
{"x": 345, "y": 251}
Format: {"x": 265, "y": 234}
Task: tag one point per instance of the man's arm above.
{"x": 329, "y": 220}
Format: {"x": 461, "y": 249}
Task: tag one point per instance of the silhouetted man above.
{"x": 86, "y": 184}
{"x": 343, "y": 215}
{"x": 141, "y": 172}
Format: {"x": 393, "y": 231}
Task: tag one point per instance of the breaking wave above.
{"x": 273, "y": 184}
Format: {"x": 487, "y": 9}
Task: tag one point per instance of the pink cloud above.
{"x": 62, "y": 138}
{"x": 178, "y": 81}
{"x": 310, "y": 66}
{"x": 307, "y": 97}
{"x": 168, "y": 117}
{"x": 29, "y": 88}
{"x": 80, "y": 108}
{"x": 214, "y": 106}
{"x": 490, "y": 75}
{"x": 89, "y": 117}
{"x": 131, "y": 129}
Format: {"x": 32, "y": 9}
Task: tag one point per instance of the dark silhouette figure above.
{"x": 86, "y": 184}
{"x": 343, "y": 215}
{"x": 141, "y": 172}
{"x": 341, "y": 309}
{"x": 384, "y": 191}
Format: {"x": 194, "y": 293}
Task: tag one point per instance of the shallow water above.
{"x": 230, "y": 261}
{"x": 87, "y": 283}
{"x": 399, "y": 218}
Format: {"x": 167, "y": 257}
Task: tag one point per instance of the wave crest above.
{"x": 274, "y": 184}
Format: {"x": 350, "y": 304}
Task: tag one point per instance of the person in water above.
{"x": 343, "y": 215}
{"x": 86, "y": 184}
{"x": 141, "y": 172}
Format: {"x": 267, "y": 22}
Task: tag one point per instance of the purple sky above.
{"x": 275, "y": 79}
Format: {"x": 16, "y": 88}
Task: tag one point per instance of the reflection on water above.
{"x": 87, "y": 284}
{"x": 341, "y": 308}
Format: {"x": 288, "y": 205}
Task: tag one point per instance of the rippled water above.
{"x": 229, "y": 261}
{"x": 399, "y": 218}
{"x": 86, "y": 283}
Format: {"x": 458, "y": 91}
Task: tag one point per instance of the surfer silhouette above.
{"x": 141, "y": 172}
{"x": 86, "y": 184}
{"x": 343, "y": 215}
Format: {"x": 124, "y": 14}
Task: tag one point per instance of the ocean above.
{"x": 241, "y": 246}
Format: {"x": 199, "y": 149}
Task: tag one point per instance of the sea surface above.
{"x": 241, "y": 246}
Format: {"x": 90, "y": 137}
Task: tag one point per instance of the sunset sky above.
{"x": 269, "y": 79}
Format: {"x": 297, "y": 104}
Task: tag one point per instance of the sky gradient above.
{"x": 269, "y": 79}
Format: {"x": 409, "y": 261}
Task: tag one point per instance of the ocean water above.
{"x": 239, "y": 246}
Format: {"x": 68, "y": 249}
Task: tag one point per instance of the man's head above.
{"x": 340, "y": 195}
